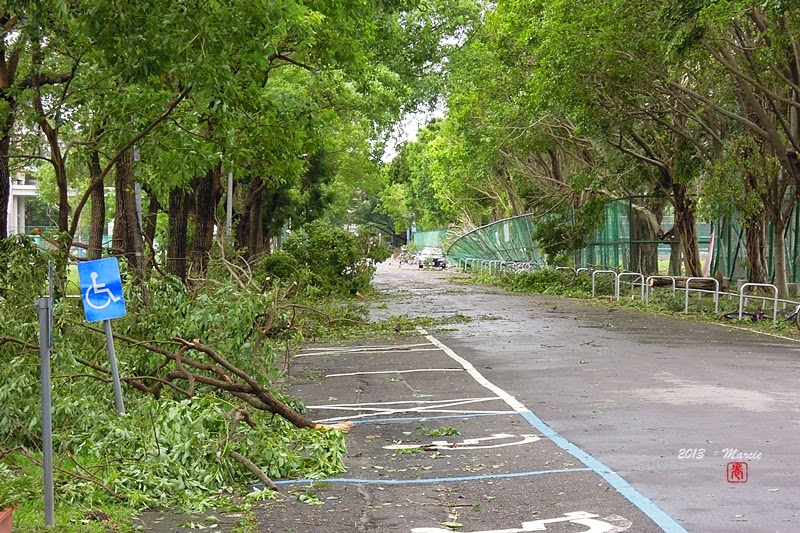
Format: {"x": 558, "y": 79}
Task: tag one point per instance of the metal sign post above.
{"x": 101, "y": 293}
{"x": 112, "y": 360}
{"x": 45, "y": 305}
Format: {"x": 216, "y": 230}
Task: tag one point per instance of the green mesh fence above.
{"x": 730, "y": 251}
{"x": 429, "y": 239}
{"x": 626, "y": 240}
{"x": 506, "y": 240}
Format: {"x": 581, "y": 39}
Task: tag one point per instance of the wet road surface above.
{"x": 549, "y": 414}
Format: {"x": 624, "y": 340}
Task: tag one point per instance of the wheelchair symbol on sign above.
{"x": 100, "y": 291}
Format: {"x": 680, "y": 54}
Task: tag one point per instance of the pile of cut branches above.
{"x": 200, "y": 373}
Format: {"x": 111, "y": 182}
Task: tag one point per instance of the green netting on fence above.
{"x": 730, "y": 250}
{"x": 429, "y": 239}
{"x": 627, "y": 238}
{"x": 630, "y": 238}
{"x": 507, "y": 240}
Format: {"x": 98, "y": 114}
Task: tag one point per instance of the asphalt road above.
{"x": 548, "y": 414}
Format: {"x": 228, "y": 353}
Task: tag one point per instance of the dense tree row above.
{"x": 555, "y": 104}
{"x": 291, "y": 98}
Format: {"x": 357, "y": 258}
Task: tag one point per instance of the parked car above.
{"x": 430, "y": 257}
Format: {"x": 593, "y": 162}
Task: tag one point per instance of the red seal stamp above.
{"x": 737, "y": 472}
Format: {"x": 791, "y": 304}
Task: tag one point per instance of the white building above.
{"x": 16, "y": 203}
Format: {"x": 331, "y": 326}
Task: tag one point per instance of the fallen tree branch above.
{"x": 97, "y": 482}
{"x": 331, "y": 319}
{"x": 229, "y": 378}
{"x": 22, "y": 343}
{"x": 261, "y": 393}
{"x": 251, "y": 466}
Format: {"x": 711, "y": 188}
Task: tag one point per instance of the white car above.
{"x": 432, "y": 256}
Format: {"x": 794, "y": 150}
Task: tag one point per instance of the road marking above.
{"x": 419, "y": 410}
{"x": 396, "y": 372}
{"x": 468, "y": 444}
{"x": 581, "y": 518}
{"x": 658, "y": 515}
{"x": 401, "y": 402}
{"x": 429, "y": 480}
{"x": 420, "y": 347}
{"x": 433, "y": 406}
{"x": 426, "y": 418}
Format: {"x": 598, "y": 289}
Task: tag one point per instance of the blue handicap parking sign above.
{"x": 101, "y": 289}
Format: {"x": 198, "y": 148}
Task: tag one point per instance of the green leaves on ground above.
{"x": 173, "y": 447}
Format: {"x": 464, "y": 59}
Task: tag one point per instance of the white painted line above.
{"x": 581, "y": 518}
{"x": 371, "y": 349}
{"x": 647, "y": 506}
{"x": 396, "y": 372}
{"x": 432, "y": 407}
{"x": 377, "y": 347}
{"x": 477, "y": 376}
{"x": 369, "y": 352}
{"x": 400, "y": 402}
{"x": 398, "y": 411}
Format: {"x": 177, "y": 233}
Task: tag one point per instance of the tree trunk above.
{"x": 779, "y": 259}
{"x": 680, "y": 283}
{"x": 51, "y": 134}
{"x": 207, "y": 197}
{"x": 8, "y": 74}
{"x": 150, "y": 221}
{"x": 255, "y": 237}
{"x": 755, "y": 235}
{"x": 250, "y": 226}
{"x": 675, "y": 258}
{"x": 177, "y": 236}
{"x": 97, "y": 224}
{"x": 127, "y": 233}
{"x": 5, "y": 170}
{"x": 644, "y": 255}
{"x": 687, "y": 229}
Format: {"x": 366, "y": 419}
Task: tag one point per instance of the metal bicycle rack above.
{"x": 619, "y": 276}
{"x": 596, "y": 272}
{"x": 743, "y": 298}
{"x": 716, "y": 292}
{"x": 647, "y": 282}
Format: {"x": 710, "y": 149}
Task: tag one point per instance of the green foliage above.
{"x": 170, "y": 451}
{"x": 283, "y": 266}
{"x": 442, "y": 431}
{"x": 560, "y": 234}
{"x": 322, "y": 260}
{"x": 548, "y": 281}
{"x": 23, "y": 271}
{"x": 15, "y": 487}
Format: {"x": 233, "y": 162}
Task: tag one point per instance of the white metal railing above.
{"x": 619, "y": 277}
{"x": 698, "y": 278}
{"x": 647, "y": 282}
{"x": 594, "y": 279}
{"x": 743, "y": 298}
{"x": 527, "y": 266}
